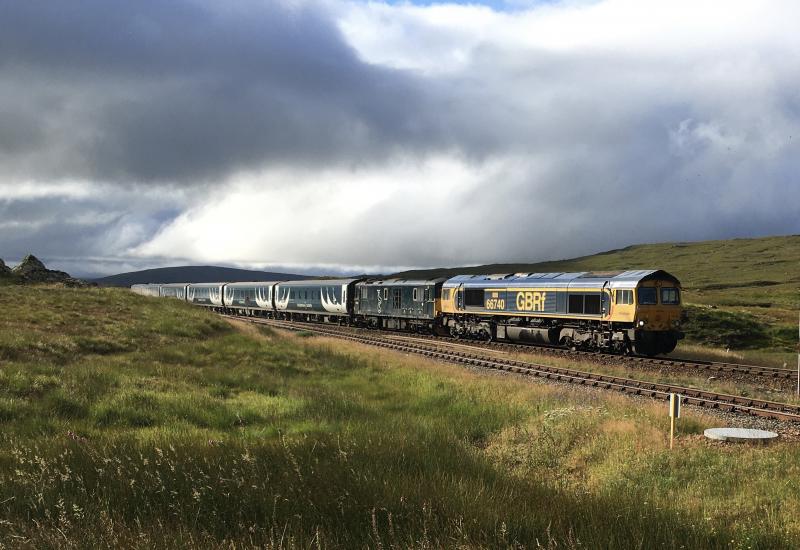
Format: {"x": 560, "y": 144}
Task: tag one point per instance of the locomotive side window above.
{"x": 592, "y": 304}
{"x": 576, "y": 303}
{"x": 446, "y": 294}
{"x": 473, "y": 297}
{"x": 647, "y": 296}
{"x": 670, "y": 296}
{"x": 385, "y": 293}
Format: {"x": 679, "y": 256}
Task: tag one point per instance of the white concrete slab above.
{"x": 740, "y": 435}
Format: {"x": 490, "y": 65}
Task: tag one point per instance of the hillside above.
{"x": 752, "y": 280}
{"x": 193, "y": 274}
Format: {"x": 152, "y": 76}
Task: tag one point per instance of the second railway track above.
{"x": 656, "y": 390}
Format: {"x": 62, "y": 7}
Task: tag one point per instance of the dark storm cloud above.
{"x": 187, "y": 92}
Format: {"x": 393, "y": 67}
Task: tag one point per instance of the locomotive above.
{"x": 623, "y": 311}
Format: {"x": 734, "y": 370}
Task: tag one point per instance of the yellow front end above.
{"x": 658, "y": 306}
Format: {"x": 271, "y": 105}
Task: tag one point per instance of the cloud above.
{"x": 368, "y": 136}
{"x": 188, "y": 93}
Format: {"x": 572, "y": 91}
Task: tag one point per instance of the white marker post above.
{"x": 798, "y": 355}
{"x": 674, "y": 412}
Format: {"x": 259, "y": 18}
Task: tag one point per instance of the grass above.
{"x": 755, "y": 281}
{"x": 136, "y": 422}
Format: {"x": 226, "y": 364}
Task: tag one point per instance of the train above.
{"x": 619, "y": 311}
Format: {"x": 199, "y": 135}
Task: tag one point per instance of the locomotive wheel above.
{"x": 668, "y": 343}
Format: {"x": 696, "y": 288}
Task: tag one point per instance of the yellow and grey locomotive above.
{"x": 620, "y": 311}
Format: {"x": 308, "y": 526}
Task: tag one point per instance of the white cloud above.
{"x": 365, "y": 218}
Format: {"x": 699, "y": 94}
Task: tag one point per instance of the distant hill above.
{"x": 193, "y": 274}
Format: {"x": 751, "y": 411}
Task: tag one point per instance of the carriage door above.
{"x": 460, "y": 297}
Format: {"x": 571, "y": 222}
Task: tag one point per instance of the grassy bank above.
{"x": 138, "y": 422}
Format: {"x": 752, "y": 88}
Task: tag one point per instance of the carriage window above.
{"x": 575, "y": 303}
{"x": 415, "y": 294}
{"x": 385, "y": 293}
{"x": 670, "y": 296}
{"x": 427, "y": 294}
{"x": 647, "y": 296}
{"x": 363, "y": 293}
{"x": 591, "y": 304}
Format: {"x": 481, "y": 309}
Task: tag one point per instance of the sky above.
{"x": 339, "y": 136}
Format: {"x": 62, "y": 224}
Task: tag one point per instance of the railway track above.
{"x": 655, "y": 390}
{"x": 718, "y": 367}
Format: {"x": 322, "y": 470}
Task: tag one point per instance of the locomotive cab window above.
{"x": 670, "y": 296}
{"x": 624, "y": 297}
{"x": 647, "y": 296}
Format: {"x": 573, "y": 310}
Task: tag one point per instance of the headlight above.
{"x": 641, "y": 323}
{"x": 676, "y": 323}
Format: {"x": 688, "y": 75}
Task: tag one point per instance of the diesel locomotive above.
{"x": 623, "y": 311}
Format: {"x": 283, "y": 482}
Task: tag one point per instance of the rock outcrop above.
{"x": 32, "y": 270}
{"x": 4, "y": 269}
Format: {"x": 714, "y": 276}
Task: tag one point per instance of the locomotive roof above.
{"x": 582, "y": 278}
